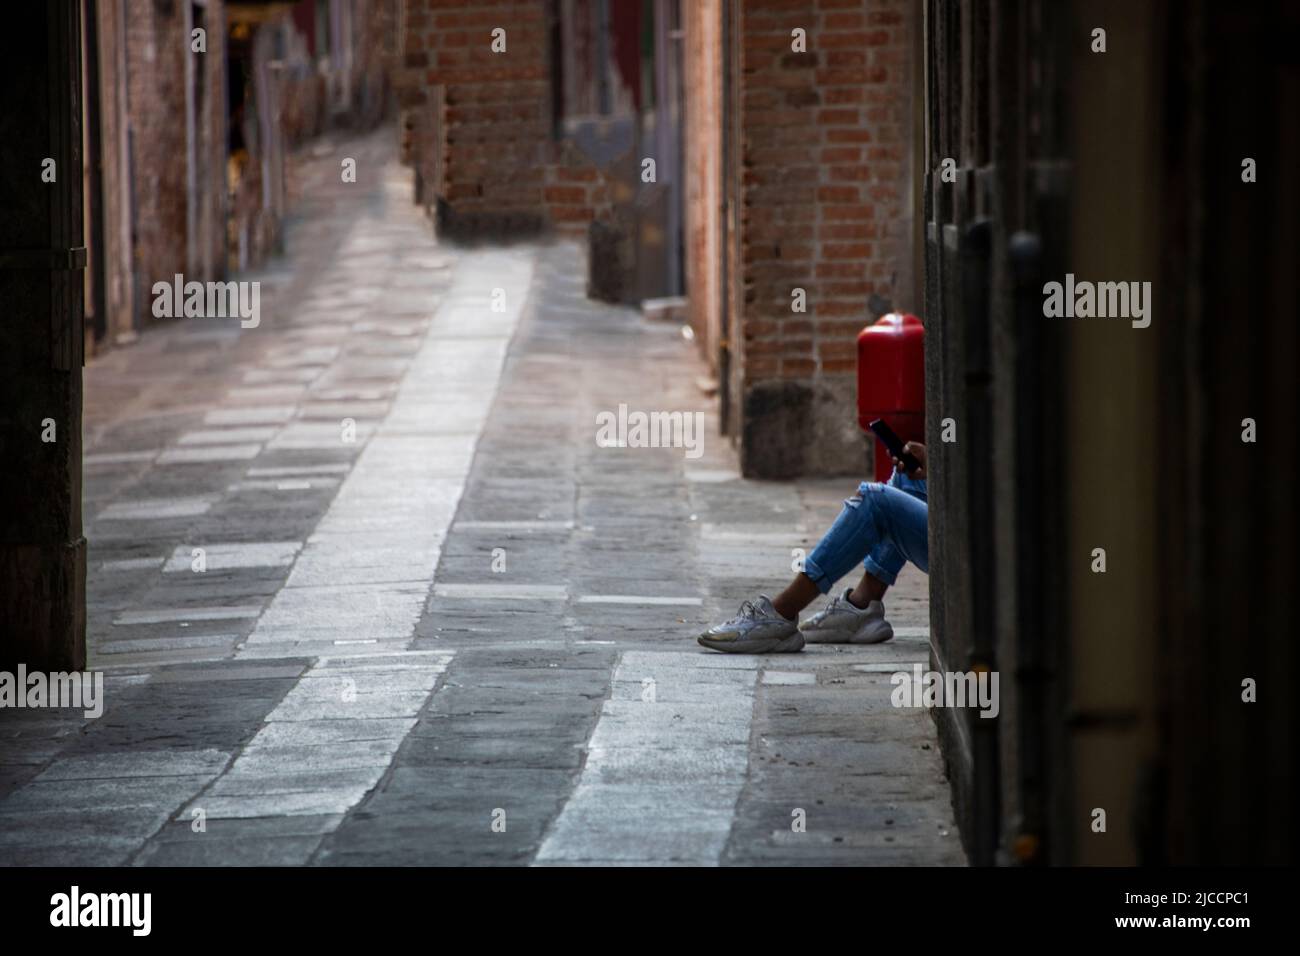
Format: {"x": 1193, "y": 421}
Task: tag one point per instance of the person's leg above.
{"x": 801, "y": 592}
{"x": 881, "y": 526}
{"x": 890, "y": 526}
{"x": 902, "y": 528}
{"x": 916, "y": 487}
{"x": 862, "y": 533}
{"x": 870, "y": 588}
{"x": 878, "y": 527}
{"x": 835, "y": 554}
{"x": 763, "y": 625}
{"x": 798, "y": 594}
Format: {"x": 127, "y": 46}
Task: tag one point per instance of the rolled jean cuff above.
{"x": 877, "y": 572}
{"x": 813, "y": 572}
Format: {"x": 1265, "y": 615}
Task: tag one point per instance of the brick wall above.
{"x": 823, "y": 168}
{"x": 477, "y": 124}
{"x": 824, "y": 151}
{"x": 486, "y": 118}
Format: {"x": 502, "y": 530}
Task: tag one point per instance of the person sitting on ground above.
{"x": 883, "y": 526}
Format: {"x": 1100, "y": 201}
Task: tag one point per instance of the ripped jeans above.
{"x": 883, "y": 526}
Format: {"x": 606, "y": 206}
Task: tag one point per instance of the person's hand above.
{"x": 917, "y": 451}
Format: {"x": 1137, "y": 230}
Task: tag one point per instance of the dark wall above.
{"x": 993, "y": 228}
{"x": 42, "y": 553}
{"x": 1121, "y": 691}
{"x": 1228, "y": 516}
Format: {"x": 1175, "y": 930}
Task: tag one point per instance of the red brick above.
{"x": 837, "y": 193}
{"x": 838, "y": 270}
{"x": 849, "y": 174}
{"x": 843, "y": 94}
{"x": 884, "y": 18}
{"x": 846, "y": 59}
{"x": 576, "y": 174}
{"x": 848, "y": 211}
{"x": 572, "y": 213}
{"x": 565, "y": 194}
{"x": 853, "y": 135}
{"x": 829, "y": 117}
{"x": 848, "y": 230}
{"x": 842, "y": 21}
{"x": 826, "y": 77}
{"x": 831, "y": 309}
{"x": 854, "y": 40}
{"x": 846, "y": 250}
{"x": 756, "y": 329}
{"x": 840, "y": 154}
{"x": 859, "y": 289}
{"x": 841, "y": 367}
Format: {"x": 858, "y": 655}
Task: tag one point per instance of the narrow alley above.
{"x": 366, "y": 589}
{"x": 449, "y": 443}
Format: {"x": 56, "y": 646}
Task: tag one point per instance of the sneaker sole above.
{"x": 768, "y": 645}
{"x": 888, "y": 635}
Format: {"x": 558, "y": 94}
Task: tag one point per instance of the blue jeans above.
{"x": 883, "y": 526}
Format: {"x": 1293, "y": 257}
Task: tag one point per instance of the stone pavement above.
{"x": 366, "y": 590}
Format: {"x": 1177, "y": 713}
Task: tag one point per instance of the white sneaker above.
{"x": 756, "y": 629}
{"x": 840, "y": 622}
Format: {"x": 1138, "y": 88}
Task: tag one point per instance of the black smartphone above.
{"x": 895, "y": 445}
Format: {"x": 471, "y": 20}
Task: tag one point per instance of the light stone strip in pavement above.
{"x": 921, "y": 632}
{"x": 164, "y": 615}
{"x": 554, "y": 592}
{"x": 503, "y": 592}
{"x": 666, "y": 764}
{"x": 514, "y": 525}
{"x": 407, "y": 482}
{"x": 305, "y": 759}
{"x": 789, "y": 678}
{"x": 339, "y": 468}
{"x": 155, "y": 509}
{"x": 227, "y": 555}
{"x": 282, "y": 485}
{"x": 268, "y": 414}
{"x": 639, "y": 600}
{"x": 226, "y": 436}
{"x": 119, "y": 458}
{"x": 132, "y": 564}
{"x": 200, "y": 454}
